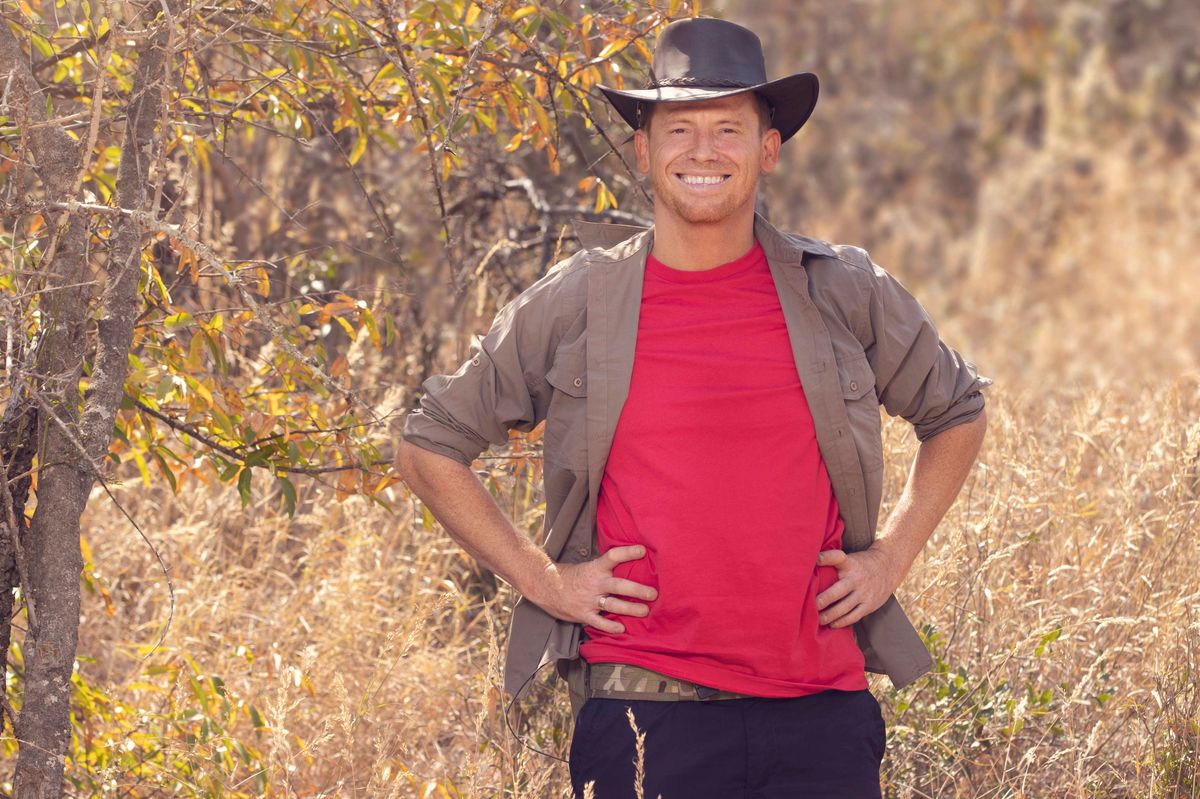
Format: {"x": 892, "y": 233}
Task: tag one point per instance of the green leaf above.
{"x": 289, "y": 500}
{"x": 244, "y": 486}
{"x": 166, "y": 470}
{"x": 228, "y": 471}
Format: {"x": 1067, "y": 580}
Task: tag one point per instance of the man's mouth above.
{"x": 701, "y": 180}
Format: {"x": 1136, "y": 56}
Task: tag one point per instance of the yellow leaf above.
{"x": 360, "y": 147}
{"x": 264, "y": 282}
{"x": 141, "y": 467}
{"x": 543, "y": 120}
{"x": 384, "y": 482}
{"x": 673, "y": 7}
{"x": 349, "y": 328}
{"x": 510, "y": 110}
{"x": 612, "y": 47}
{"x": 523, "y": 12}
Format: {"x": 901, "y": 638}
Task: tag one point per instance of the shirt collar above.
{"x": 621, "y": 241}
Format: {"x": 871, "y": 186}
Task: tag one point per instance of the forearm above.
{"x": 937, "y": 475}
{"x": 457, "y": 498}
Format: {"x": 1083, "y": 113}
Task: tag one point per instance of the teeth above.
{"x": 702, "y": 180}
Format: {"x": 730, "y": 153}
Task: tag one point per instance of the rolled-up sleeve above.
{"x": 501, "y": 386}
{"x": 917, "y": 376}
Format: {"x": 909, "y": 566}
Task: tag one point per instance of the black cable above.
{"x": 508, "y": 720}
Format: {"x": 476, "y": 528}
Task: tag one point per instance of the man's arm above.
{"x": 457, "y": 498}
{"x": 866, "y": 579}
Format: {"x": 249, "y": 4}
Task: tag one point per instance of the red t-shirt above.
{"x": 715, "y": 469}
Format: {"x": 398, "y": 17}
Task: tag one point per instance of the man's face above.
{"x": 704, "y": 158}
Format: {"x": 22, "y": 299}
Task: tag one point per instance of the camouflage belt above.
{"x": 622, "y": 681}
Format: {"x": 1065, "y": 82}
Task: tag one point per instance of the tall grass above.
{"x": 1059, "y": 595}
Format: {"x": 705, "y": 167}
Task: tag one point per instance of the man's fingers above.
{"x": 834, "y": 613}
{"x": 621, "y": 554}
{"x": 604, "y": 624}
{"x": 833, "y": 593}
{"x": 831, "y": 557}
{"x": 852, "y": 617}
{"x": 629, "y": 588}
{"x": 621, "y": 607}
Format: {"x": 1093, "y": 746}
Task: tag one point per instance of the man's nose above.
{"x": 703, "y": 146}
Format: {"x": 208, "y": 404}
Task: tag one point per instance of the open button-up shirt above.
{"x": 562, "y": 352}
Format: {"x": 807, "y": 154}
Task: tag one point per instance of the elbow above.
{"x": 979, "y": 423}
{"x": 406, "y": 460}
{"x": 419, "y": 464}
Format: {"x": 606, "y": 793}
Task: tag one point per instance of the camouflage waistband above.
{"x": 622, "y": 681}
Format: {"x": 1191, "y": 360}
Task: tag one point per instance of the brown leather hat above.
{"x": 703, "y": 58}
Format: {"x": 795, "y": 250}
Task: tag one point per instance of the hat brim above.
{"x": 793, "y": 99}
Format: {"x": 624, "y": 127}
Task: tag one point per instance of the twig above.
{"x": 398, "y": 60}
{"x": 239, "y": 456}
{"x": 452, "y": 117}
{"x": 584, "y": 105}
{"x": 80, "y": 46}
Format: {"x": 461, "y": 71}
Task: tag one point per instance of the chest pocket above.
{"x": 566, "y": 419}
{"x": 862, "y": 408}
{"x": 856, "y": 377}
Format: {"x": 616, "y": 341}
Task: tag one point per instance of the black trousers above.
{"x": 824, "y": 746}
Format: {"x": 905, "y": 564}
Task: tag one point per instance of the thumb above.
{"x": 831, "y": 557}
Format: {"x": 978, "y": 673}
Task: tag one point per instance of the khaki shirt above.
{"x": 562, "y": 352}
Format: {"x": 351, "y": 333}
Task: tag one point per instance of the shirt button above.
{"x": 578, "y": 382}
{"x": 475, "y": 360}
{"x": 853, "y": 386}
{"x": 584, "y": 551}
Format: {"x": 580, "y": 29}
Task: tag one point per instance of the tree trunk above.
{"x": 72, "y": 444}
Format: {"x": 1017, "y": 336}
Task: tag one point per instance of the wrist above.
{"x": 895, "y": 565}
{"x": 539, "y": 582}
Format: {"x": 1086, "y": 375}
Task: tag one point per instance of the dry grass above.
{"x": 1059, "y": 594}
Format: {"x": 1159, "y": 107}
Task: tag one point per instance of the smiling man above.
{"x": 713, "y": 559}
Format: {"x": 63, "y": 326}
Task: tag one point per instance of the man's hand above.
{"x": 577, "y": 591}
{"x": 865, "y": 581}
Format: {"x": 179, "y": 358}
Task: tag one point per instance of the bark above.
{"x": 70, "y": 442}
{"x": 17, "y": 448}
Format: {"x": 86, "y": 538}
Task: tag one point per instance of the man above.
{"x": 713, "y": 462}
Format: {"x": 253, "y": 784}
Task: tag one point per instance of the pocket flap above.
{"x": 857, "y": 377}
{"x": 568, "y": 373}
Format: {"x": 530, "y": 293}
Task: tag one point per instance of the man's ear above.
{"x": 770, "y": 150}
{"x": 641, "y": 146}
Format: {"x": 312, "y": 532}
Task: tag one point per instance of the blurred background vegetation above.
{"x": 345, "y": 193}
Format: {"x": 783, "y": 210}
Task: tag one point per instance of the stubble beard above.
{"x": 697, "y": 211}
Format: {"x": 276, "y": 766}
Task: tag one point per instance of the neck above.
{"x": 696, "y": 247}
